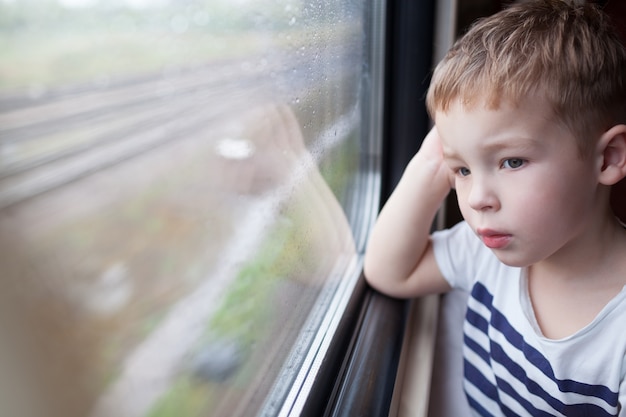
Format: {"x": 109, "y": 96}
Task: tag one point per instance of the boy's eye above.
{"x": 464, "y": 172}
{"x": 512, "y": 163}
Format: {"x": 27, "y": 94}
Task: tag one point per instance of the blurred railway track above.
{"x": 66, "y": 135}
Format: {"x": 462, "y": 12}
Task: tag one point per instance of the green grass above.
{"x": 247, "y": 309}
{"x": 247, "y": 312}
{"x": 186, "y": 398}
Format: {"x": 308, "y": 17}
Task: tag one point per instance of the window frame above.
{"x": 367, "y": 382}
{"x": 357, "y": 372}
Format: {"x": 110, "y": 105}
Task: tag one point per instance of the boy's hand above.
{"x": 431, "y": 154}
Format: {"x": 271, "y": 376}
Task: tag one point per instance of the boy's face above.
{"x": 520, "y": 180}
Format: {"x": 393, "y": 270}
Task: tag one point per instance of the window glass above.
{"x": 180, "y": 182}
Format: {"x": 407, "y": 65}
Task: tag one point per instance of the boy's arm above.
{"x": 399, "y": 260}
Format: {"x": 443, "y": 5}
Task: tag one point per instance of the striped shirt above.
{"x": 510, "y": 368}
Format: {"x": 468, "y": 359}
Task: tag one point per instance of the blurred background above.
{"x": 178, "y": 181}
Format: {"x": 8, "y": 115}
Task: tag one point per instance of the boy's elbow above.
{"x": 422, "y": 279}
{"x": 378, "y": 277}
{"x": 375, "y": 273}
{"x": 370, "y": 270}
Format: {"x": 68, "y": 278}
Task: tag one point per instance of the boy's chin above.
{"x": 510, "y": 259}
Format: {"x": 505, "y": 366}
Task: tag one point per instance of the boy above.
{"x": 530, "y": 112}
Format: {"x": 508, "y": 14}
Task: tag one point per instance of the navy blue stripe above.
{"x": 508, "y": 412}
{"x": 500, "y": 323}
{"x": 476, "y": 378}
{"x": 481, "y": 295}
{"x": 507, "y": 388}
{"x": 477, "y": 349}
{"x": 500, "y": 356}
{"x": 477, "y": 321}
{"x": 474, "y": 405}
{"x": 520, "y": 374}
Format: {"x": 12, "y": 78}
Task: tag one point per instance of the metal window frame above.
{"x": 366, "y": 380}
{"x": 357, "y": 377}
{"x": 352, "y": 372}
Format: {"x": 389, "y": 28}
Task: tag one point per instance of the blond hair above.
{"x": 560, "y": 51}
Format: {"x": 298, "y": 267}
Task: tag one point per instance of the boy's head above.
{"x": 555, "y": 50}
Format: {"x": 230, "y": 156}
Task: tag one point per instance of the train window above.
{"x": 185, "y": 188}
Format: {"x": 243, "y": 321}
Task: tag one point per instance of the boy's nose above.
{"x": 482, "y": 197}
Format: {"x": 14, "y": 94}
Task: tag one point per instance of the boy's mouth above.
{"x": 494, "y": 239}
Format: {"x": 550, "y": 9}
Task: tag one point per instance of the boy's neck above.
{"x": 569, "y": 289}
{"x": 600, "y": 247}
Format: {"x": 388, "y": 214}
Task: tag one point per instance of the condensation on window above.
{"x": 174, "y": 178}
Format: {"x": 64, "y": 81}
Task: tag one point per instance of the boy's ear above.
{"x": 612, "y": 154}
{"x": 612, "y": 147}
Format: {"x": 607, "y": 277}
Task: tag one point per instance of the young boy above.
{"x": 530, "y": 115}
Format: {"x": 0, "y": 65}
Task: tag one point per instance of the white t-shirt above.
{"x": 510, "y": 367}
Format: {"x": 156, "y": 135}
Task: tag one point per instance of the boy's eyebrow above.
{"x": 517, "y": 143}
